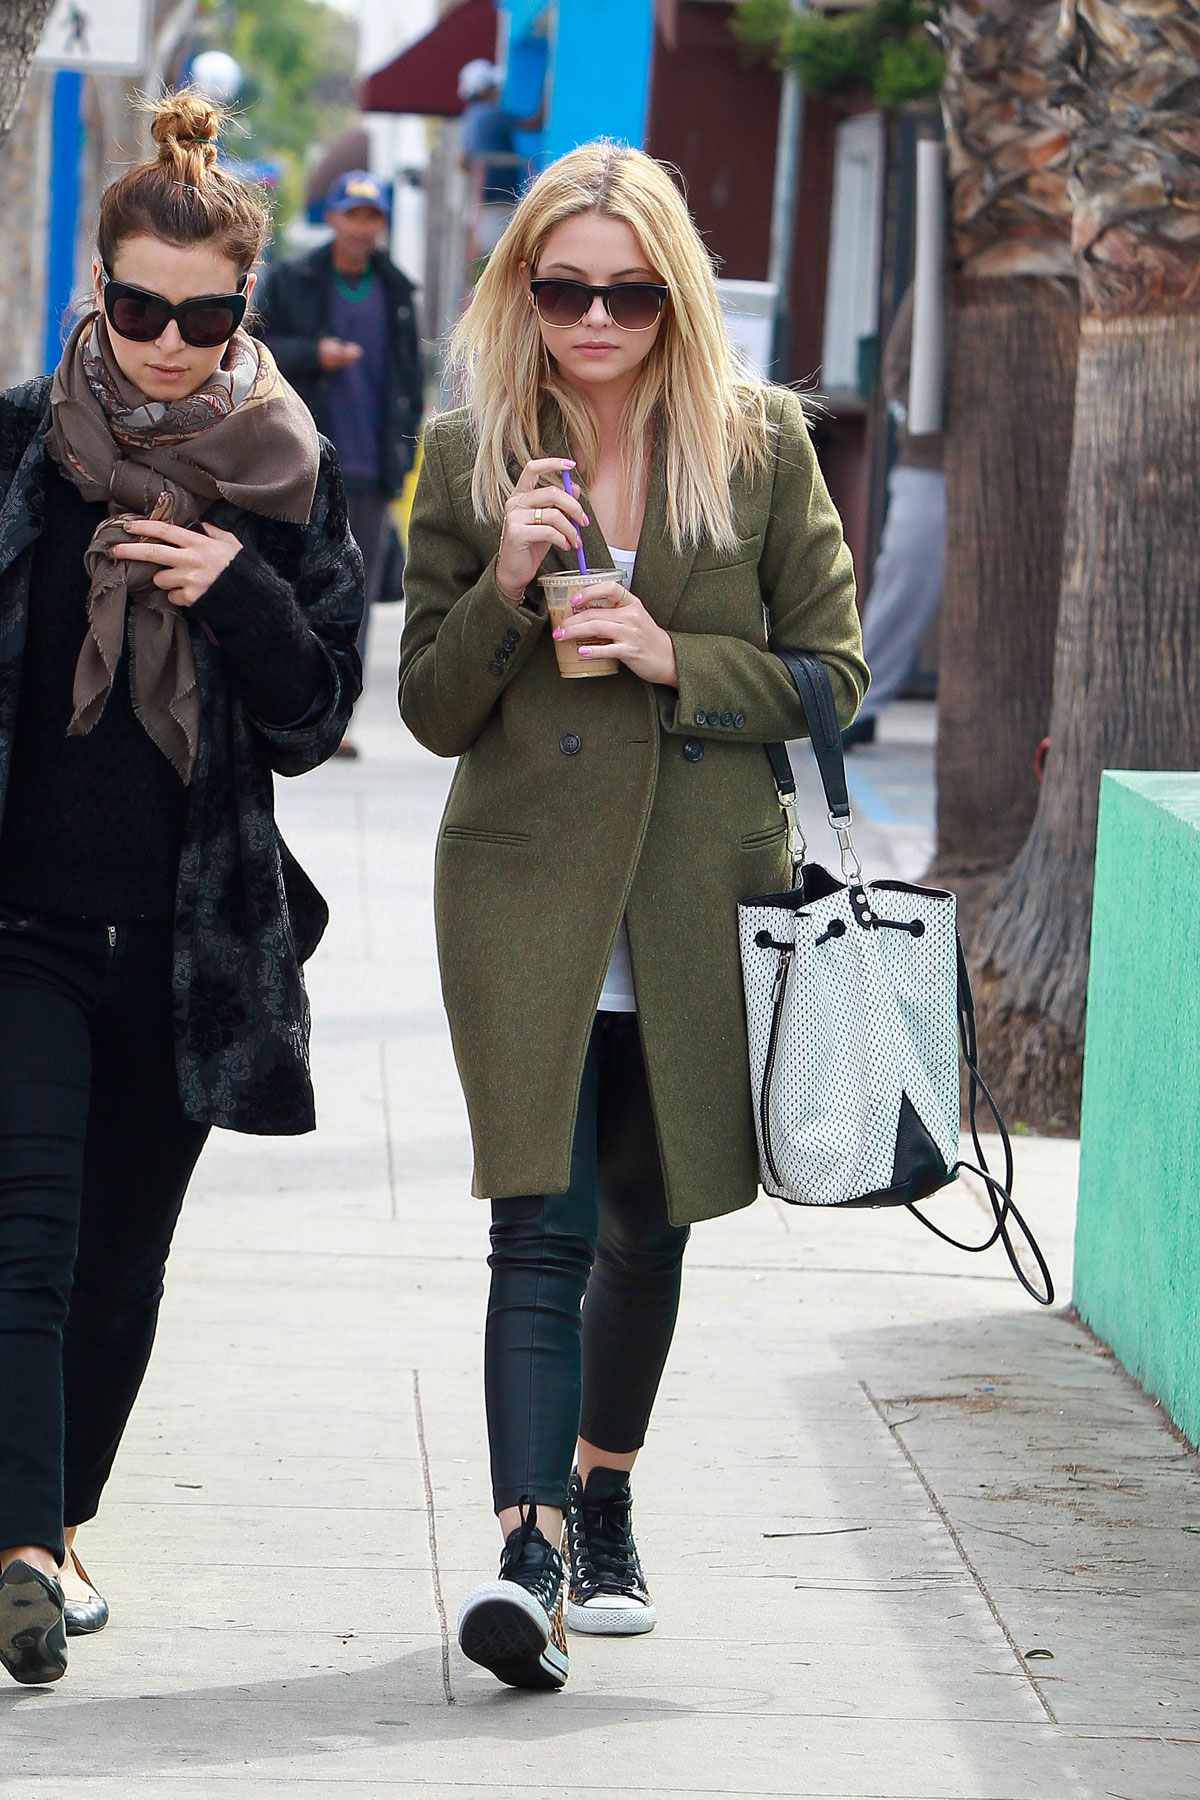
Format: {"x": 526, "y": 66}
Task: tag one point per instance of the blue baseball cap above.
{"x": 357, "y": 188}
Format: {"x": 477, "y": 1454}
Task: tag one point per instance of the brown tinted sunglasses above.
{"x": 205, "y": 322}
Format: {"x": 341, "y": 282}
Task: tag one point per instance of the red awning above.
{"x": 424, "y": 78}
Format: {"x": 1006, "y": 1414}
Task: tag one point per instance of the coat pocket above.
{"x": 774, "y": 834}
{"x": 477, "y": 834}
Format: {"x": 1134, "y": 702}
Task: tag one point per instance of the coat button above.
{"x": 739, "y": 721}
{"x": 495, "y": 668}
{"x": 714, "y": 718}
{"x": 568, "y": 743}
{"x": 512, "y": 638}
{"x": 727, "y": 718}
{"x": 700, "y": 715}
{"x": 693, "y": 750}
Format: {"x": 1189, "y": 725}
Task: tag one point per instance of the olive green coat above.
{"x": 577, "y": 802}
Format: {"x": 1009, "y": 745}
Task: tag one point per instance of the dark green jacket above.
{"x": 577, "y": 802}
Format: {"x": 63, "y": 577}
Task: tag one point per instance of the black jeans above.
{"x": 552, "y": 1375}
{"x": 95, "y": 1155}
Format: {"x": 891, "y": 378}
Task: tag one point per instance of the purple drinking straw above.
{"x": 579, "y": 556}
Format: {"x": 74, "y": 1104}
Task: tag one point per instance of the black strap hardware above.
{"x": 816, "y": 696}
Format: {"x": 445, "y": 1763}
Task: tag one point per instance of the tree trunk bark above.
{"x": 21, "y": 23}
{"x": 1127, "y": 670}
{"x": 1009, "y": 412}
{"x": 25, "y": 156}
{"x": 1009, "y": 403}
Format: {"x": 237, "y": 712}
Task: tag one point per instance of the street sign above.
{"x": 106, "y": 36}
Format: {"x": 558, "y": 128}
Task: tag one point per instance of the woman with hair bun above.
{"x": 599, "y": 833}
{"x": 179, "y": 599}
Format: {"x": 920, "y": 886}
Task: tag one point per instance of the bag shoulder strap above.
{"x": 815, "y": 689}
{"x": 999, "y": 1193}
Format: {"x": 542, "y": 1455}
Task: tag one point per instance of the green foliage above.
{"x": 908, "y": 70}
{"x": 298, "y": 60}
{"x": 831, "y": 54}
{"x": 882, "y": 49}
{"x": 759, "y": 26}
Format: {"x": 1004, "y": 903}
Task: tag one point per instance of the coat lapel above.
{"x": 660, "y": 573}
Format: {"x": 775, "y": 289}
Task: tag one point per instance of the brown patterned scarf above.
{"x": 245, "y": 437}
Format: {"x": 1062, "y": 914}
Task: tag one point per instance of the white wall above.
{"x": 398, "y": 143}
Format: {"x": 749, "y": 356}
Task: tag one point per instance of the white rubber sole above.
{"x": 505, "y": 1629}
{"x": 611, "y": 1621}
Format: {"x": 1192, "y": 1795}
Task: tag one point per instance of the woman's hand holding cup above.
{"x": 536, "y": 517}
{"x": 623, "y": 630}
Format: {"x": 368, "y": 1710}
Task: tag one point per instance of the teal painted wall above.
{"x": 601, "y": 73}
{"x": 1137, "y": 1235}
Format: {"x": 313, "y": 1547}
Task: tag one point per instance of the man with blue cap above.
{"x": 341, "y": 323}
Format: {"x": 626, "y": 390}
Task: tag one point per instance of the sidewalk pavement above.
{"x": 910, "y": 1537}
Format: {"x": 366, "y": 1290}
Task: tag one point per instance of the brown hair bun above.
{"x": 184, "y": 195}
{"x": 186, "y": 127}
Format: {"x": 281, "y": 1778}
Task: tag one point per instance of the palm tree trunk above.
{"x": 1127, "y": 657}
{"x": 1009, "y": 403}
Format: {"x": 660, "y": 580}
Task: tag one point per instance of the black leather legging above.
{"x": 95, "y": 1155}
{"x": 552, "y": 1374}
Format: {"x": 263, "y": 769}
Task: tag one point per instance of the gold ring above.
{"x": 537, "y": 515}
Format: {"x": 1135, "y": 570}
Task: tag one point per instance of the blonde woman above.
{"x": 599, "y": 833}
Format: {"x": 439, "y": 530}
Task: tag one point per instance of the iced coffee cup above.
{"x": 558, "y": 590}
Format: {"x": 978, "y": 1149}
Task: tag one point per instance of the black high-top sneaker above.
{"x": 608, "y": 1593}
{"x": 514, "y": 1625}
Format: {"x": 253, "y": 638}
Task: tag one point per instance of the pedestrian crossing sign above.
{"x": 107, "y": 36}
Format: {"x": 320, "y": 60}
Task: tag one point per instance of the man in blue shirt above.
{"x": 488, "y": 152}
{"x": 341, "y": 323}
{"x": 486, "y": 133}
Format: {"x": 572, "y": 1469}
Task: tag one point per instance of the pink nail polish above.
{"x": 557, "y": 632}
{"x": 576, "y": 599}
{"x": 586, "y": 520}
{"x": 585, "y": 649}
{"x": 568, "y": 464}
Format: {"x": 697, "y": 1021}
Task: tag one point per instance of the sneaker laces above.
{"x": 530, "y": 1560}
{"x": 605, "y": 1554}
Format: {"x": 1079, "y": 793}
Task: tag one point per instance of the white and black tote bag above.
{"x": 858, "y": 1007}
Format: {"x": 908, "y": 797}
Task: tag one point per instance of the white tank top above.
{"x": 617, "y": 995}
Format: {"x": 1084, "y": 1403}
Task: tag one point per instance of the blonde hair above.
{"x": 711, "y": 413}
{"x": 183, "y": 195}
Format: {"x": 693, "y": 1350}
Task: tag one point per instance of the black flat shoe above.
{"x": 85, "y": 1617}
{"x": 33, "y": 1637}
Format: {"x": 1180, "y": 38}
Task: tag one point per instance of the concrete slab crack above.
{"x": 388, "y": 1135}
{"x": 961, "y": 1548}
{"x": 431, "y": 1518}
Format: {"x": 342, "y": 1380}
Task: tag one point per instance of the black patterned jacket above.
{"x": 246, "y": 915}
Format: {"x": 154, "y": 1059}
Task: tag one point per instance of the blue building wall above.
{"x": 599, "y": 60}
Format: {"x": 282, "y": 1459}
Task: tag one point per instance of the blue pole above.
{"x": 66, "y": 134}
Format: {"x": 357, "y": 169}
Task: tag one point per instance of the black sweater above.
{"x": 93, "y": 826}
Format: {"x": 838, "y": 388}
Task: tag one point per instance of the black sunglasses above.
{"x": 205, "y": 322}
{"x": 632, "y": 305}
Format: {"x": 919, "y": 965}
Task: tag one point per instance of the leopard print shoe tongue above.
{"x": 558, "y": 1623}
